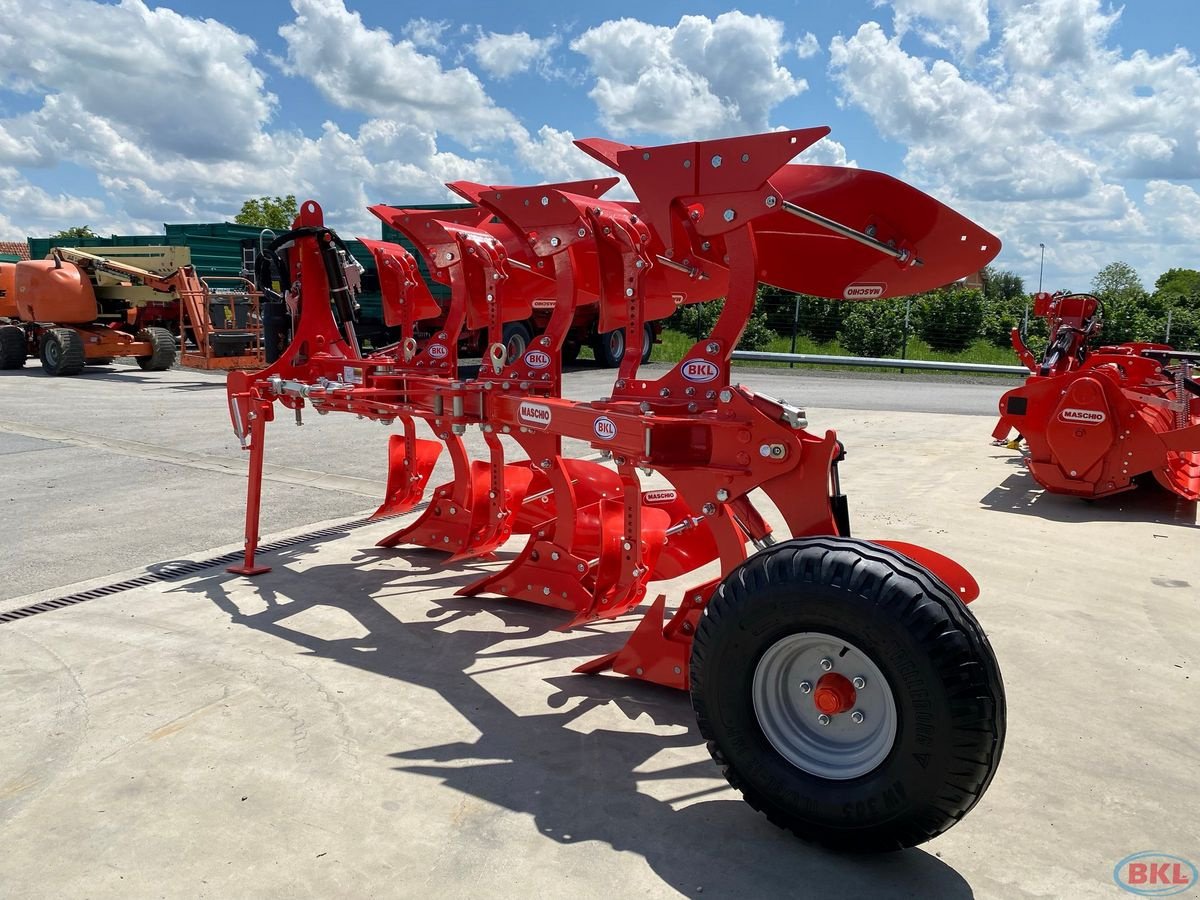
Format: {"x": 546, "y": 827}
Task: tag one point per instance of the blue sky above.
{"x": 1071, "y": 123}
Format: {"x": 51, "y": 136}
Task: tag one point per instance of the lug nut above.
{"x": 823, "y": 719}
{"x": 856, "y": 717}
{"x": 859, "y": 682}
{"x": 826, "y": 663}
{"x": 805, "y": 687}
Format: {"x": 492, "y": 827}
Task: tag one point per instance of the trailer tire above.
{"x": 647, "y": 342}
{"x": 12, "y": 347}
{"x": 932, "y": 695}
{"x": 610, "y": 348}
{"x": 516, "y": 340}
{"x": 163, "y": 355}
{"x": 61, "y": 351}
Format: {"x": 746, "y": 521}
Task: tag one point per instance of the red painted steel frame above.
{"x": 596, "y": 539}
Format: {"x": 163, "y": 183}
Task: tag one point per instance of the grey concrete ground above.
{"x": 345, "y": 726}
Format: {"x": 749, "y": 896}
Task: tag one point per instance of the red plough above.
{"x": 1096, "y": 420}
{"x": 842, "y": 684}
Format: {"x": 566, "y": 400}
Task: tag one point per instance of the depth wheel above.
{"x": 12, "y": 347}
{"x": 848, "y": 694}
{"x": 162, "y": 357}
{"x": 61, "y": 351}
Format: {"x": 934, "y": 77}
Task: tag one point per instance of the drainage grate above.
{"x": 172, "y": 571}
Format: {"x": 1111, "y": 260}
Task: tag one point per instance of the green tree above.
{"x": 79, "y": 231}
{"x": 1127, "y": 314}
{"x": 950, "y": 318}
{"x": 1002, "y": 286}
{"x": 1177, "y": 283}
{"x": 696, "y": 320}
{"x": 873, "y": 328}
{"x": 277, "y": 213}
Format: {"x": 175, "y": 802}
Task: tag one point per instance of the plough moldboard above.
{"x": 843, "y": 685}
{"x": 1095, "y": 421}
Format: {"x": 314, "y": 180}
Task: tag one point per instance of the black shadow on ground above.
{"x": 1020, "y": 493}
{"x": 575, "y": 786}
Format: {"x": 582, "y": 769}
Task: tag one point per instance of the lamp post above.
{"x": 1041, "y": 265}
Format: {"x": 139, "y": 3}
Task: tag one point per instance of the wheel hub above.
{"x": 834, "y": 694}
{"x": 824, "y": 705}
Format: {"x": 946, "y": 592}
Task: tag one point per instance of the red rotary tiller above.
{"x": 843, "y": 685}
{"x": 1096, "y": 420}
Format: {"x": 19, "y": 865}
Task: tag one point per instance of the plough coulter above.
{"x": 1097, "y": 420}
{"x": 843, "y": 685}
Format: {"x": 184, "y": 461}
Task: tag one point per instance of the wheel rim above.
{"x": 789, "y": 715}
{"x": 53, "y": 353}
{"x": 616, "y": 344}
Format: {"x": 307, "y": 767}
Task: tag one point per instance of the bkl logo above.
{"x": 658, "y": 496}
{"x": 536, "y": 359}
{"x": 437, "y": 351}
{"x": 700, "y": 370}
{"x": 1153, "y": 874}
{"x": 1084, "y": 416}
{"x": 605, "y": 428}
{"x": 863, "y": 291}
{"x": 535, "y": 414}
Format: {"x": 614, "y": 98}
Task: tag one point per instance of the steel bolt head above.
{"x": 627, "y": 545}
{"x": 709, "y": 509}
{"x": 729, "y": 215}
{"x": 856, "y": 717}
{"x": 554, "y": 242}
{"x": 582, "y": 232}
{"x": 716, "y": 162}
{"x": 554, "y": 554}
{"x": 726, "y": 396}
{"x": 859, "y": 682}
{"x": 823, "y": 719}
{"x": 764, "y": 450}
{"x": 546, "y": 591}
{"x": 826, "y": 663}
{"x": 805, "y": 687}
{"x": 713, "y": 347}
{"x": 722, "y": 495}
{"x": 628, "y": 292}
{"x": 771, "y": 201}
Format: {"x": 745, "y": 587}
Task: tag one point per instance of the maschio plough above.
{"x": 1095, "y": 420}
{"x": 843, "y": 685}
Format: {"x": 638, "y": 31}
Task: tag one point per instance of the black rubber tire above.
{"x": 570, "y": 352}
{"x": 61, "y": 351}
{"x": 13, "y": 347}
{"x": 163, "y": 355}
{"x": 610, "y": 348}
{"x": 517, "y": 336}
{"x": 937, "y": 661}
{"x": 647, "y": 342}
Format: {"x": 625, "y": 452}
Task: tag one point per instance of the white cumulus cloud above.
{"x": 504, "y": 55}
{"x": 700, "y": 78}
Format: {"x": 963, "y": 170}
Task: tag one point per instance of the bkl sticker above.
{"x": 700, "y": 371}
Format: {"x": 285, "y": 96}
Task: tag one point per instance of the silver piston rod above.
{"x": 847, "y": 232}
